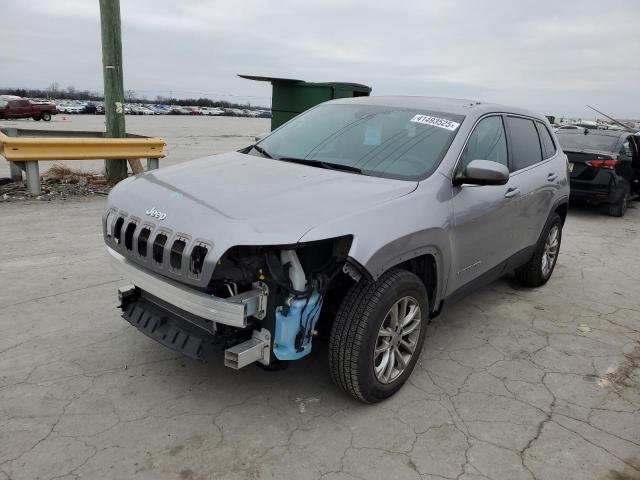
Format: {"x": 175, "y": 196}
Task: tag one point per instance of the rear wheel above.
{"x": 377, "y": 336}
{"x": 46, "y": 116}
{"x": 37, "y": 118}
{"x": 539, "y": 268}
{"x": 620, "y": 208}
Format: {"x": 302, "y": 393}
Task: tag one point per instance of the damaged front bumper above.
{"x": 192, "y": 336}
{"x": 233, "y": 311}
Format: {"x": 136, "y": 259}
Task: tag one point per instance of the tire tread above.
{"x": 530, "y": 274}
{"x": 349, "y": 331}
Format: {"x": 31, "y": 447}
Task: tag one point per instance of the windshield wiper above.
{"x": 321, "y": 164}
{"x": 339, "y": 166}
{"x": 312, "y": 163}
{"x": 262, "y": 151}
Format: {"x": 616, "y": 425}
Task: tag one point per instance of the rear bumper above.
{"x": 608, "y": 189}
{"x": 233, "y": 311}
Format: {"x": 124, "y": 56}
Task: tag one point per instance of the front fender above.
{"x": 434, "y": 242}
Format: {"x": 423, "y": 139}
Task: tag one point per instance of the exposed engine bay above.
{"x": 297, "y": 279}
{"x": 294, "y": 281}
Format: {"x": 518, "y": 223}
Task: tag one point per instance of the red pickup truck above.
{"x": 22, "y": 108}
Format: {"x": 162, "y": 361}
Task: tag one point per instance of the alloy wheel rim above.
{"x": 397, "y": 339}
{"x": 550, "y": 252}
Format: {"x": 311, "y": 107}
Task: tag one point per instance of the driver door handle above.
{"x": 512, "y": 192}
{"x": 552, "y": 177}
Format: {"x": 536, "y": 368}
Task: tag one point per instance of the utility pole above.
{"x": 115, "y": 170}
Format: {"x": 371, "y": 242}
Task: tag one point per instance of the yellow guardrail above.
{"x": 24, "y": 149}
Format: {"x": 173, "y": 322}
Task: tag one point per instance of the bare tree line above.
{"x": 55, "y": 91}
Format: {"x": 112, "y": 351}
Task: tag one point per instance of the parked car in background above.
{"x": 72, "y": 108}
{"x": 234, "y": 112}
{"x": 211, "y": 111}
{"x": 604, "y": 166}
{"x": 141, "y": 110}
{"x": 567, "y": 127}
{"x": 367, "y": 215}
{"x": 23, "y": 108}
{"x": 178, "y": 110}
{"x": 161, "y": 109}
{"x": 90, "y": 108}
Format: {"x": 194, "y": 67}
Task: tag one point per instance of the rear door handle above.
{"x": 552, "y": 177}
{"x": 512, "y": 192}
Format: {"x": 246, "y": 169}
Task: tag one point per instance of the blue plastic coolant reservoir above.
{"x": 302, "y": 313}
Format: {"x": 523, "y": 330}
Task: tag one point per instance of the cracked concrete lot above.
{"x": 512, "y": 384}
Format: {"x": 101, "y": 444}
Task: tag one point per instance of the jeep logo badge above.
{"x": 152, "y": 212}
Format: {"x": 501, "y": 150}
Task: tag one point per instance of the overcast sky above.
{"x": 549, "y": 56}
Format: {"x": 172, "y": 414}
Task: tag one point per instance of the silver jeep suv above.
{"x": 355, "y": 222}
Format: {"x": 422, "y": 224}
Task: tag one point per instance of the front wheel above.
{"x": 46, "y": 116}
{"x": 377, "y": 336}
{"x": 539, "y": 268}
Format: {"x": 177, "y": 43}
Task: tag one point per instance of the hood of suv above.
{"x": 245, "y": 199}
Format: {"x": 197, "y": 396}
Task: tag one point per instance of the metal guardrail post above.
{"x": 14, "y": 169}
{"x": 153, "y": 163}
{"x": 33, "y": 178}
{"x": 15, "y": 172}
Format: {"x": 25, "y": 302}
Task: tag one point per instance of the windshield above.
{"x": 375, "y": 140}
{"x": 3, "y": 103}
{"x": 590, "y": 141}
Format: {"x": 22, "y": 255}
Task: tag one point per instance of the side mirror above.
{"x": 261, "y": 136}
{"x": 483, "y": 172}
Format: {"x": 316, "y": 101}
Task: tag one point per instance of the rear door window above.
{"x": 548, "y": 147}
{"x": 525, "y": 144}
{"x": 487, "y": 142}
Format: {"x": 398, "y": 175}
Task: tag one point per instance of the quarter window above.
{"x": 487, "y": 142}
{"x": 548, "y": 147}
{"x": 525, "y": 144}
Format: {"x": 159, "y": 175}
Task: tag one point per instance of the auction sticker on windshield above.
{"x": 435, "y": 122}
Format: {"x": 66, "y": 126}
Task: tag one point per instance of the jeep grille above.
{"x": 156, "y": 247}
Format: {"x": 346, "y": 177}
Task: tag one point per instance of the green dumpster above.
{"x": 291, "y": 97}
